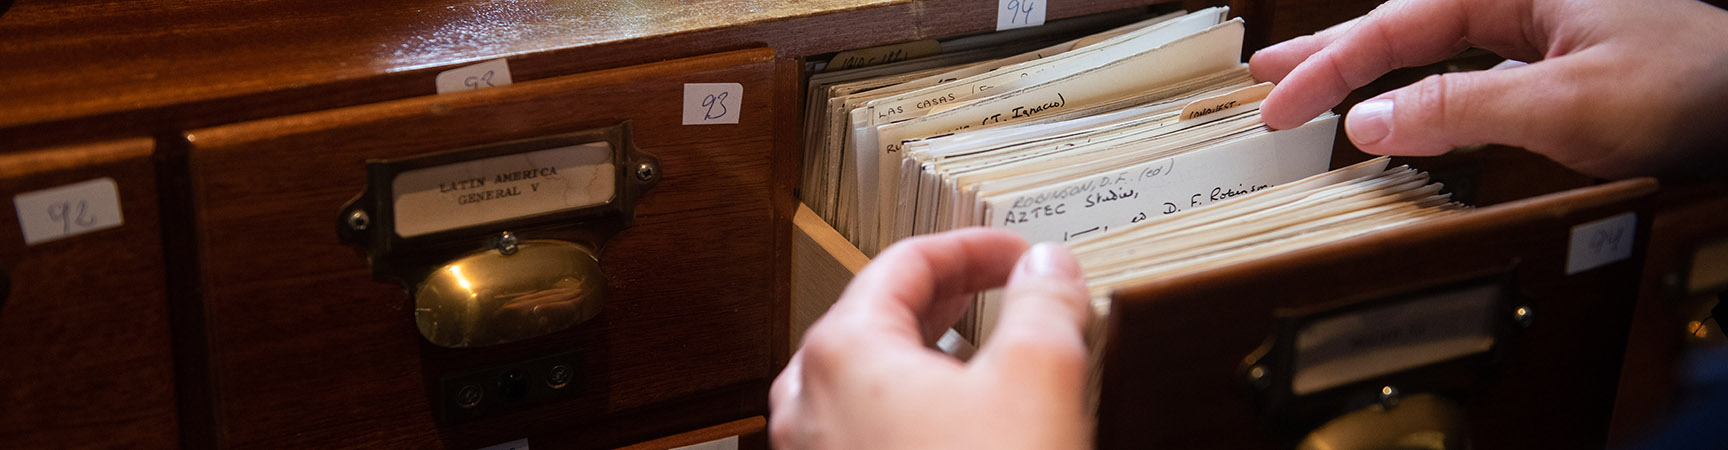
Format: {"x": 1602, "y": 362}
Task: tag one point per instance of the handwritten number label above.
{"x": 484, "y": 80}
{"x": 1020, "y": 12}
{"x": 714, "y": 106}
{"x": 71, "y": 214}
{"x": 487, "y": 74}
{"x": 1012, "y": 14}
{"x": 1598, "y": 243}
{"x": 69, "y": 210}
{"x": 712, "y": 103}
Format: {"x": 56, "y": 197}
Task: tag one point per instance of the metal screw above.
{"x": 1389, "y": 396}
{"x": 1524, "y": 316}
{"x": 507, "y": 243}
{"x": 358, "y": 220}
{"x": 645, "y": 172}
{"x": 469, "y": 396}
{"x": 559, "y": 376}
{"x": 1257, "y": 376}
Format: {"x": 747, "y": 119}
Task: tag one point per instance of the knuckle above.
{"x": 1065, "y": 297}
{"x": 1050, "y": 345}
{"x": 1430, "y": 115}
{"x": 780, "y": 391}
{"x": 823, "y": 346}
{"x": 1380, "y": 36}
{"x": 782, "y": 431}
{"x": 1430, "y": 102}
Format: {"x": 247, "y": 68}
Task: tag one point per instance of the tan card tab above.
{"x": 1228, "y": 100}
{"x": 865, "y": 57}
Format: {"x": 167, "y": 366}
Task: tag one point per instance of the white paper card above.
{"x": 1096, "y": 203}
{"x": 712, "y": 103}
{"x": 519, "y": 444}
{"x": 1012, "y": 14}
{"x": 730, "y": 443}
{"x": 68, "y": 210}
{"x": 1598, "y": 243}
{"x": 487, "y": 74}
{"x": 501, "y": 188}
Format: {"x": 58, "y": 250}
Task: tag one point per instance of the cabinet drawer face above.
{"x": 746, "y": 434}
{"x": 84, "y": 340}
{"x": 311, "y": 350}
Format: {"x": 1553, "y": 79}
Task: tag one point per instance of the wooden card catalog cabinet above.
{"x": 1541, "y": 325}
{"x": 311, "y": 226}
{"x": 85, "y": 353}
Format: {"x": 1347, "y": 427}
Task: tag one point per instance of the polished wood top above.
{"x": 109, "y": 67}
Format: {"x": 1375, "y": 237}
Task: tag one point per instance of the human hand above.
{"x": 1616, "y": 88}
{"x": 866, "y": 377}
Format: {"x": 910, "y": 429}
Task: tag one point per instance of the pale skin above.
{"x": 1615, "y": 88}
{"x": 868, "y": 378}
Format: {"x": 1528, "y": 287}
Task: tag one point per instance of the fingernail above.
{"x": 1369, "y": 121}
{"x": 1050, "y": 259}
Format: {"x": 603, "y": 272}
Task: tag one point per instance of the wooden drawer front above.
{"x": 1547, "y": 384}
{"x": 310, "y": 351}
{"x": 747, "y": 434}
{"x": 1673, "y": 318}
{"x": 85, "y": 353}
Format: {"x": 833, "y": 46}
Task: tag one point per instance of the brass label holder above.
{"x": 500, "y": 243}
{"x": 1384, "y": 372}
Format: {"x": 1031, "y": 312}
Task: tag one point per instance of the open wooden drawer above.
{"x": 1206, "y": 360}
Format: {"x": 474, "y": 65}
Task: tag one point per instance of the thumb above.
{"x": 1046, "y": 307}
{"x": 1516, "y": 106}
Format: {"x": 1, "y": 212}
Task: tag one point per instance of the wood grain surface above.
{"x": 85, "y": 354}
{"x": 752, "y": 434}
{"x": 308, "y": 350}
{"x": 1548, "y": 388}
{"x": 82, "y": 69}
{"x": 823, "y": 262}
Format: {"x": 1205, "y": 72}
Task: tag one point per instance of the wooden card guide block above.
{"x": 1174, "y": 372}
{"x": 823, "y": 262}
{"x": 309, "y": 351}
{"x": 85, "y": 353}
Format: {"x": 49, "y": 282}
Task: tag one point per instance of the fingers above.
{"x": 1401, "y": 33}
{"x": 786, "y": 429}
{"x": 787, "y": 385}
{"x": 919, "y": 287}
{"x": 1039, "y": 337}
{"x": 1520, "y": 107}
{"x": 1274, "y": 62}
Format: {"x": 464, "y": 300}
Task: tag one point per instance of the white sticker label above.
{"x": 1598, "y": 243}
{"x": 501, "y": 188}
{"x": 1011, "y": 14}
{"x": 730, "y": 443}
{"x": 68, "y": 210}
{"x": 492, "y": 73}
{"x": 712, "y": 103}
{"x": 519, "y": 444}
